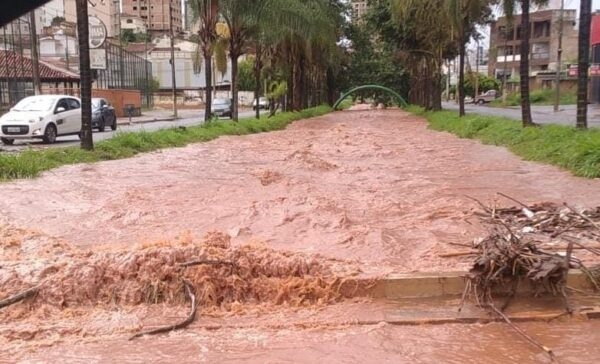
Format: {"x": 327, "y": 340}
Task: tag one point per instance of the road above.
{"x": 540, "y": 114}
{"x": 73, "y": 140}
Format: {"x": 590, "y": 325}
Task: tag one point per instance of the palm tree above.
{"x": 464, "y": 14}
{"x": 585, "y": 17}
{"x": 205, "y": 11}
{"x": 509, "y": 11}
{"x": 423, "y": 42}
{"x": 87, "y": 141}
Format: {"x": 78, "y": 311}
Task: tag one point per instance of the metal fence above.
{"x": 126, "y": 71}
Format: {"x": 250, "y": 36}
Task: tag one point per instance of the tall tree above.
{"x": 85, "y": 74}
{"x": 585, "y": 18}
{"x": 509, "y": 11}
{"x": 464, "y": 15}
{"x": 206, "y": 13}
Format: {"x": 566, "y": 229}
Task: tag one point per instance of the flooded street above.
{"x": 293, "y": 224}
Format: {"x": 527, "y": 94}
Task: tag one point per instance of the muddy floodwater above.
{"x": 295, "y": 223}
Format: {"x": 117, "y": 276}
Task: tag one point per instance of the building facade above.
{"x": 133, "y": 23}
{"x": 158, "y": 14}
{"x": 505, "y": 43}
{"x": 106, "y": 10}
{"x": 359, "y": 9}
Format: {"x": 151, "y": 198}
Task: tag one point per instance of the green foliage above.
{"x": 370, "y": 65}
{"x": 563, "y": 146}
{"x": 539, "y": 97}
{"x": 485, "y": 83}
{"x": 57, "y": 20}
{"x": 31, "y": 163}
{"x": 128, "y": 36}
{"x": 246, "y": 79}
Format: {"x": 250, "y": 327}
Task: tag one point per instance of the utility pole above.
{"x": 173, "y": 78}
{"x": 476, "y": 70}
{"x": 121, "y": 63}
{"x": 559, "y": 55}
{"x": 35, "y": 68}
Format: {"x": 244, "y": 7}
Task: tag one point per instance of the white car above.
{"x": 44, "y": 117}
{"x": 263, "y": 103}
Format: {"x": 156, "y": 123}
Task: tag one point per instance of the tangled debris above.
{"x": 512, "y": 253}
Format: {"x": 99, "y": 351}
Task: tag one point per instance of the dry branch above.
{"x": 19, "y": 297}
{"x": 193, "y": 307}
{"x": 523, "y": 333}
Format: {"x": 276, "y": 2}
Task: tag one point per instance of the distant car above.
{"x": 43, "y": 116}
{"x": 468, "y": 100}
{"x": 263, "y": 103}
{"x": 103, "y": 114}
{"x": 221, "y": 107}
{"x": 488, "y": 96}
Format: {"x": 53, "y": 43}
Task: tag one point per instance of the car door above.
{"x": 74, "y": 116}
{"x": 61, "y": 116}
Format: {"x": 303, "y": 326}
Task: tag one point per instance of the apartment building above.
{"x": 105, "y": 10}
{"x": 359, "y": 9}
{"x": 158, "y": 14}
{"x": 505, "y": 42}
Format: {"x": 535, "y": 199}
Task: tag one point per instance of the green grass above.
{"x": 567, "y": 147}
{"x": 31, "y": 163}
{"x": 538, "y": 97}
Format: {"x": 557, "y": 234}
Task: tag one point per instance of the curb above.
{"x": 147, "y": 121}
{"x": 423, "y": 285}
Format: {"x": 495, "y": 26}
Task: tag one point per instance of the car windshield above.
{"x": 220, "y": 102}
{"x": 95, "y": 103}
{"x": 35, "y": 104}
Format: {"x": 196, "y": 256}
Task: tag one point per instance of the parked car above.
{"x": 263, "y": 103}
{"x": 488, "y": 96}
{"x": 103, "y": 114}
{"x": 221, "y": 107}
{"x": 44, "y": 116}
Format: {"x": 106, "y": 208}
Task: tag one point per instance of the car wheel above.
{"x": 113, "y": 126}
{"x": 7, "y": 141}
{"x": 101, "y": 125}
{"x": 49, "y": 134}
{"x": 480, "y": 102}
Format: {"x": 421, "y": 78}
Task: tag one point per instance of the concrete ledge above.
{"x": 418, "y": 285}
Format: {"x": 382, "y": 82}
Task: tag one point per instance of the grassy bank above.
{"x": 538, "y": 97}
{"x": 566, "y": 147}
{"x": 31, "y": 163}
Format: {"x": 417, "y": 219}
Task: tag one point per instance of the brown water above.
{"x": 374, "y": 186}
{"x": 378, "y": 343}
{"x": 304, "y": 210}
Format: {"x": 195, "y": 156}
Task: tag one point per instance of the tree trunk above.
{"x": 584, "y": 54}
{"x": 234, "y": 85}
{"x": 461, "y": 79}
{"x": 331, "y": 97}
{"x": 85, "y": 73}
{"x": 257, "y": 70}
{"x": 208, "y": 89}
{"x": 524, "y": 64}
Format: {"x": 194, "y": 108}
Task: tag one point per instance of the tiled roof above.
{"x": 139, "y": 47}
{"x": 15, "y": 66}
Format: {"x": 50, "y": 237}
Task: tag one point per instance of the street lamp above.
{"x": 121, "y": 71}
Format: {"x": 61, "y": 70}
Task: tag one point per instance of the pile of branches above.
{"x": 511, "y": 253}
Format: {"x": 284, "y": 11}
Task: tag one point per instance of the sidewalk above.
{"x": 150, "y": 116}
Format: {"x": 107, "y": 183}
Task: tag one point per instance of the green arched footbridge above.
{"x": 401, "y": 101}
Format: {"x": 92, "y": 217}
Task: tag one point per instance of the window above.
{"x": 129, "y": 21}
{"x": 74, "y": 104}
{"x": 135, "y": 8}
{"x": 62, "y": 103}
